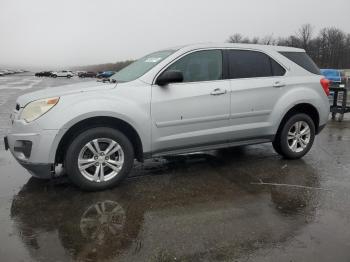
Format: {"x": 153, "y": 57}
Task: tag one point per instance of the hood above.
{"x": 63, "y": 90}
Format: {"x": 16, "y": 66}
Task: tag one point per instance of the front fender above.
{"x": 72, "y": 109}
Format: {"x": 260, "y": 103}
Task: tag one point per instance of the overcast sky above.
{"x": 50, "y": 33}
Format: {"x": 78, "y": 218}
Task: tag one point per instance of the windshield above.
{"x": 141, "y": 66}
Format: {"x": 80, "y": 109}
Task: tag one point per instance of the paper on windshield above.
{"x": 153, "y": 59}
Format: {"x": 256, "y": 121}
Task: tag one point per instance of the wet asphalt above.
{"x": 238, "y": 204}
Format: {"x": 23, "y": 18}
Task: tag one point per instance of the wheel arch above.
{"x": 305, "y": 108}
{"x": 99, "y": 121}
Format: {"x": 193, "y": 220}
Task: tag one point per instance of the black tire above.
{"x": 72, "y": 154}
{"x": 54, "y": 76}
{"x": 69, "y": 76}
{"x": 280, "y": 143}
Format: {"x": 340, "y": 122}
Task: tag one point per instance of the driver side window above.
{"x": 200, "y": 66}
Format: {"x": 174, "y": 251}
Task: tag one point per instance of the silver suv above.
{"x": 174, "y": 101}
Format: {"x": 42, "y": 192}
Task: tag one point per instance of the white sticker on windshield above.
{"x": 153, "y": 59}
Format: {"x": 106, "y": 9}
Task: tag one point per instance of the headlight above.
{"x": 37, "y": 108}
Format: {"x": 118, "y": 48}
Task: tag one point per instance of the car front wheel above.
{"x": 296, "y": 137}
{"x": 99, "y": 158}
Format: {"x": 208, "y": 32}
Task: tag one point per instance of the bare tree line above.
{"x": 330, "y": 48}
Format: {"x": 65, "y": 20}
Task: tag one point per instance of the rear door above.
{"x": 256, "y": 85}
{"x": 196, "y": 111}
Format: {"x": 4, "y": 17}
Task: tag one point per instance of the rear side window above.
{"x": 303, "y": 60}
{"x": 249, "y": 64}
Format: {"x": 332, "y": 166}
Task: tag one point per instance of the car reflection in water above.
{"x": 102, "y": 219}
{"x": 204, "y": 206}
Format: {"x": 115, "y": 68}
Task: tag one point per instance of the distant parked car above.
{"x": 333, "y": 75}
{"x": 43, "y": 73}
{"x": 64, "y": 73}
{"x": 7, "y": 72}
{"x": 105, "y": 74}
{"x": 2, "y": 74}
{"x": 77, "y": 73}
{"x": 87, "y": 74}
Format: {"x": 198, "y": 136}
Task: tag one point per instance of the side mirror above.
{"x": 171, "y": 76}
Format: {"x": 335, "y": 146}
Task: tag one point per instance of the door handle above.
{"x": 218, "y": 91}
{"x": 278, "y": 84}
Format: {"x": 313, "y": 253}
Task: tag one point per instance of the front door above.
{"x": 196, "y": 111}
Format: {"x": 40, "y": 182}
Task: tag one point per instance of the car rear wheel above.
{"x": 99, "y": 158}
{"x": 296, "y": 137}
{"x": 54, "y": 76}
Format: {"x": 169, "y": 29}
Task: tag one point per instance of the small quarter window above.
{"x": 277, "y": 69}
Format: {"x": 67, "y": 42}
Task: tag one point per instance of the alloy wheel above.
{"x": 299, "y": 136}
{"x": 101, "y": 159}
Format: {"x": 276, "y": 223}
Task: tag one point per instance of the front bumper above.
{"x": 39, "y": 170}
{"x": 42, "y": 171}
{"x": 32, "y": 147}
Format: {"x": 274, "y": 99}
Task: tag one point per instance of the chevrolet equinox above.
{"x": 174, "y": 101}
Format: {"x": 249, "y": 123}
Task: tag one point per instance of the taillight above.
{"x": 325, "y": 83}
